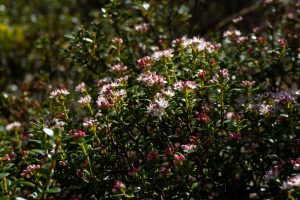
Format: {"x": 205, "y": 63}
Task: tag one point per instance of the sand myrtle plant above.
{"x": 164, "y": 118}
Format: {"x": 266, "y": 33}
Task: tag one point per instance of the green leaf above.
{"x": 54, "y": 190}
{"x": 27, "y": 183}
{"x": 38, "y": 151}
{"x": 20, "y": 198}
{"x": 48, "y": 131}
{"x": 4, "y": 174}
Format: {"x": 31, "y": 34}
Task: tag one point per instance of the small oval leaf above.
{"x": 48, "y": 131}
{"x": 54, "y": 190}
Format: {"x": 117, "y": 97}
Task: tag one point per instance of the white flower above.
{"x": 157, "y": 108}
{"x": 13, "y": 125}
{"x": 142, "y": 28}
{"x": 169, "y": 92}
{"x": 59, "y": 93}
{"x": 181, "y": 85}
{"x": 89, "y": 123}
{"x": 85, "y": 100}
{"x": 151, "y": 79}
{"x": 81, "y": 87}
{"x": 232, "y": 33}
{"x": 292, "y": 182}
{"x": 162, "y": 54}
{"x": 189, "y": 148}
{"x": 264, "y": 109}
{"x": 118, "y": 68}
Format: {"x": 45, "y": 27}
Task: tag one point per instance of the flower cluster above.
{"x": 165, "y": 54}
{"x": 118, "y": 186}
{"x": 185, "y": 86}
{"x": 143, "y": 28}
{"x": 158, "y": 107}
{"x": 59, "y": 93}
{"x": 30, "y": 170}
{"x": 151, "y": 79}
{"x": 110, "y": 94}
{"x": 13, "y": 125}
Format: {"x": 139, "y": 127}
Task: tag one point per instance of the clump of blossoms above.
{"x": 81, "y": 87}
{"x": 189, "y": 148}
{"x": 86, "y": 100}
{"x": 59, "y": 93}
{"x": 291, "y": 182}
{"x": 151, "y": 79}
{"x": 143, "y": 28}
{"x": 77, "y": 134}
{"x": 12, "y": 126}
{"x": 118, "y": 68}
{"x": 222, "y": 76}
{"x": 117, "y": 40}
{"x": 118, "y": 186}
{"x": 161, "y": 55}
{"x": 145, "y": 62}
{"x": 30, "y": 170}
{"x": 232, "y": 33}
{"x": 185, "y": 86}
{"x": 110, "y": 94}
{"x": 198, "y": 44}
{"x": 179, "y": 159}
{"x": 158, "y": 107}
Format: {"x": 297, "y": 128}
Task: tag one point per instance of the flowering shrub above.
{"x": 195, "y": 119}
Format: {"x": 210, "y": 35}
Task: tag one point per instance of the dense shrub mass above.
{"x": 147, "y": 116}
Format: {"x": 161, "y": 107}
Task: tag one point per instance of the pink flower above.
{"x": 84, "y": 101}
{"x": 157, "y": 108}
{"x": 235, "y": 135}
{"x": 292, "y": 182}
{"x": 30, "y": 170}
{"x": 170, "y": 151}
{"x": 193, "y": 139}
{"x": 272, "y": 173}
{"x": 202, "y": 117}
{"x": 59, "y": 93}
{"x": 221, "y": 76}
{"x": 134, "y": 171}
{"x": 201, "y": 74}
{"x": 250, "y": 50}
{"x": 232, "y": 33}
{"x": 81, "y": 87}
{"x": 151, "y": 155}
{"x": 248, "y": 84}
{"x": 118, "y": 68}
{"x": 145, "y": 62}
{"x": 151, "y": 79}
{"x": 143, "y": 28}
{"x": 185, "y": 85}
{"x": 158, "y": 55}
{"x": 117, "y": 40}
{"x": 238, "y": 19}
{"x": 103, "y": 102}
{"x": 282, "y": 42}
{"x": 90, "y": 123}
{"x": 118, "y": 186}
{"x": 189, "y": 148}
{"x": 178, "y": 159}
{"x": 10, "y": 156}
{"x": 12, "y": 126}
{"x": 77, "y": 134}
